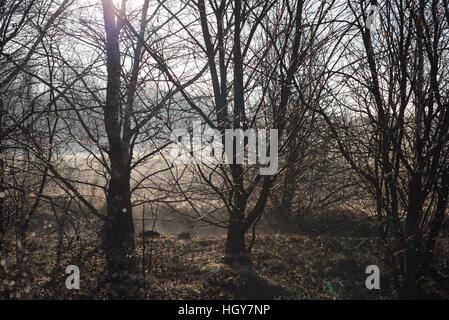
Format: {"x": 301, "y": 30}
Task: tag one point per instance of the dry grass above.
{"x": 289, "y": 267}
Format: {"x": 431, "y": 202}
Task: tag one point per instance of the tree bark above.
{"x": 119, "y": 235}
{"x": 236, "y": 254}
{"x": 410, "y": 288}
{"x": 119, "y": 225}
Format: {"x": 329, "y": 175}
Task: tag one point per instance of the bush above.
{"x": 335, "y": 222}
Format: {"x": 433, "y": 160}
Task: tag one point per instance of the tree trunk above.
{"x": 119, "y": 225}
{"x": 2, "y": 188}
{"x": 2, "y": 205}
{"x": 236, "y": 254}
{"x": 285, "y": 203}
{"x": 410, "y": 288}
{"x": 119, "y": 236}
{"x": 435, "y": 227}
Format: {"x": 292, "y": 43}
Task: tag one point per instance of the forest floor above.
{"x": 287, "y": 266}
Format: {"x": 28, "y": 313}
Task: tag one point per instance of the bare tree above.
{"x": 24, "y": 26}
{"x": 241, "y": 37}
{"x": 393, "y": 127}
